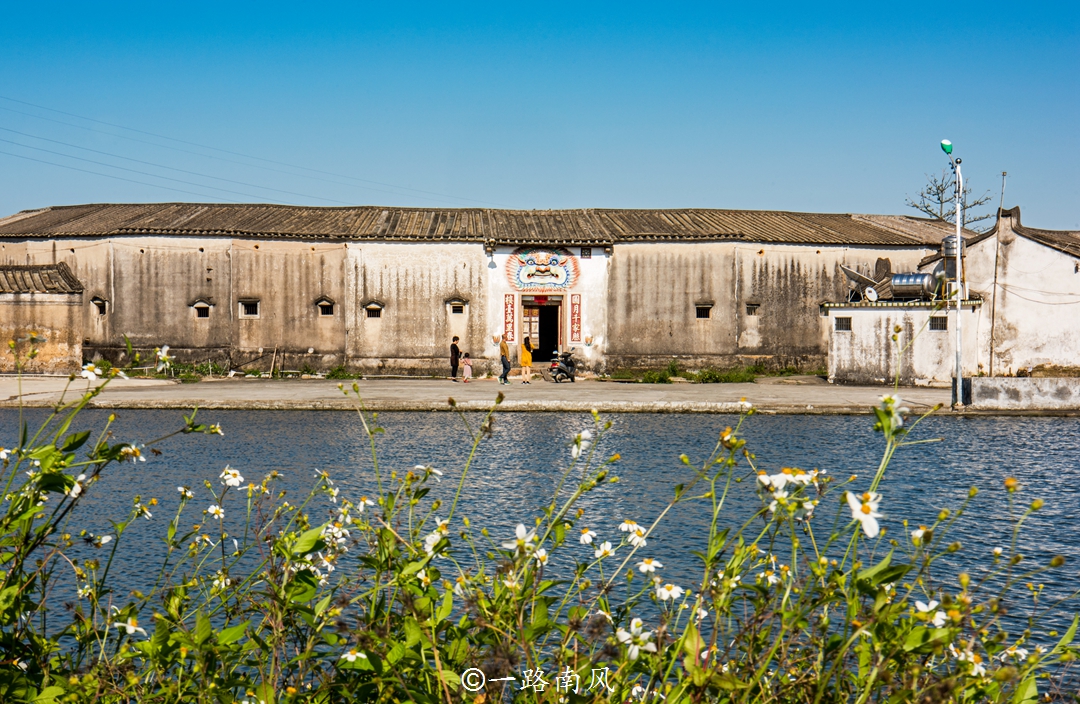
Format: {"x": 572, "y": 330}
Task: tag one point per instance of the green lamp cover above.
{"x": 946, "y": 146}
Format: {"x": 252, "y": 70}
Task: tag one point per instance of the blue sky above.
{"x": 787, "y": 106}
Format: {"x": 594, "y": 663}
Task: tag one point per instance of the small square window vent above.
{"x": 752, "y": 308}
{"x": 101, "y": 304}
{"x": 939, "y": 322}
{"x": 249, "y": 309}
{"x": 374, "y": 312}
{"x": 703, "y": 312}
{"x": 586, "y": 252}
{"x": 202, "y": 311}
{"x": 842, "y": 324}
{"x": 326, "y": 309}
{"x": 457, "y": 309}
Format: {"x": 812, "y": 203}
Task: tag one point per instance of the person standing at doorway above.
{"x": 455, "y": 357}
{"x": 504, "y": 357}
{"x": 526, "y": 361}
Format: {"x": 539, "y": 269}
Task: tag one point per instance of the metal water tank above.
{"x": 913, "y": 285}
{"x": 948, "y": 246}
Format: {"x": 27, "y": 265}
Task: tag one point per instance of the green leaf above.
{"x": 202, "y": 628}
{"x": 75, "y": 441}
{"x": 415, "y": 566}
{"x": 49, "y": 694}
{"x": 446, "y": 607}
{"x": 232, "y": 633}
{"x": 1027, "y": 692}
{"x": 923, "y": 638}
{"x": 308, "y": 542}
{"x": 303, "y": 586}
{"x": 1069, "y": 634}
{"x": 396, "y": 653}
{"x": 869, "y": 573}
{"x": 412, "y": 632}
{"x": 323, "y": 603}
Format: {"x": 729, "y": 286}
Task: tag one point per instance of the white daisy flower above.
{"x": 131, "y": 626}
{"x": 216, "y": 511}
{"x": 352, "y": 654}
{"x": 541, "y": 556}
{"x": 91, "y": 372}
{"x": 628, "y": 526}
{"x": 637, "y": 538}
{"x": 648, "y": 565}
{"x": 231, "y": 477}
{"x": 668, "y": 591}
{"x": 587, "y": 536}
{"x": 164, "y": 361}
{"x": 864, "y": 509}
{"x": 185, "y": 492}
{"x": 635, "y": 639}
{"x": 605, "y": 550}
{"x": 76, "y": 488}
{"x": 523, "y": 541}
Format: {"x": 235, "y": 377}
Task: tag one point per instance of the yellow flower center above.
{"x": 865, "y": 508}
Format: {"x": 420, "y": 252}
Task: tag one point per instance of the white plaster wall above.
{"x": 867, "y": 353}
{"x": 1037, "y": 310}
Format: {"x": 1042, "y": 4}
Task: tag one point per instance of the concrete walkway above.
{"x": 790, "y": 395}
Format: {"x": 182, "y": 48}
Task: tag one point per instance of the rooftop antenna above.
{"x": 1001, "y": 203}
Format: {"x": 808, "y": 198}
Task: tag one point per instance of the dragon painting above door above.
{"x": 536, "y": 270}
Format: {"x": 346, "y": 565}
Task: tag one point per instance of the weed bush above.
{"x": 396, "y": 597}
{"x": 656, "y": 377}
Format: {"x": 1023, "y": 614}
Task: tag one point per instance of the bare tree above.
{"x": 938, "y": 200}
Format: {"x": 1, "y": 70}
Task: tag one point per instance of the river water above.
{"x": 515, "y": 471}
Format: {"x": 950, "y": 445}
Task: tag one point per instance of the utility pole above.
{"x": 958, "y": 376}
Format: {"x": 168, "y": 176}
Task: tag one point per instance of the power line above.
{"x": 142, "y": 173}
{"x": 118, "y": 178}
{"x": 208, "y": 156}
{"x": 171, "y": 168}
{"x": 246, "y": 156}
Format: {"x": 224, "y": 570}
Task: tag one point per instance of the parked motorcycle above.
{"x": 563, "y": 366}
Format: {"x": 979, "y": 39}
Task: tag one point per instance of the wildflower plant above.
{"x": 397, "y": 596}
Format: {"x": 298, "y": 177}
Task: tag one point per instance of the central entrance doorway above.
{"x": 541, "y": 323}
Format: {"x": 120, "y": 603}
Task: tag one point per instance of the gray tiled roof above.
{"x": 508, "y": 227}
{"x": 44, "y": 278}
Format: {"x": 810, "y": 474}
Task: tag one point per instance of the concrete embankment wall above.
{"x": 1025, "y": 394}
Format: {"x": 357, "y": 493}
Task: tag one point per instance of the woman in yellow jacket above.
{"x": 526, "y": 361}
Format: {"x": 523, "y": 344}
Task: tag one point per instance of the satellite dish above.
{"x": 871, "y": 294}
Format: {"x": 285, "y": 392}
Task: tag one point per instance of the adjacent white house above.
{"x": 1021, "y": 313}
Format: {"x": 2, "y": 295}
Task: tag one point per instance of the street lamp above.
{"x": 958, "y": 377}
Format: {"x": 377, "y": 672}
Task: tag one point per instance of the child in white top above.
{"x": 466, "y": 370}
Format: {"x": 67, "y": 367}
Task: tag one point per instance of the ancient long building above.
{"x": 383, "y": 290}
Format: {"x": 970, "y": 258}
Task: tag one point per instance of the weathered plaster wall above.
{"x": 414, "y": 283}
{"x": 654, "y": 289}
{"x": 1036, "y": 317}
{"x": 867, "y": 354}
{"x": 55, "y": 317}
{"x": 1028, "y": 394}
